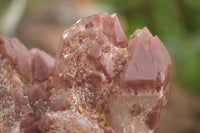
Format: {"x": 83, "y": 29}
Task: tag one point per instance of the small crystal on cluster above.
{"x": 100, "y": 82}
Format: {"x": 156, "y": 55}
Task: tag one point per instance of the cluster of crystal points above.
{"x": 99, "y": 82}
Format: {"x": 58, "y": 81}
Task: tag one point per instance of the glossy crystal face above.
{"x": 99, "y": 82}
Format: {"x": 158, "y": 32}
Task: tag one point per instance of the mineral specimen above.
{"x": 100, "y": 81}
{"x": 23, "y": 97}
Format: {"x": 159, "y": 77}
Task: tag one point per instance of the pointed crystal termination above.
{"x": 102, "y": 83}
{"x": 144, "y": 83}
{"x": 90, "y": 56}
{"x": 122, "y": 84}
{"x": 22, "y": 95}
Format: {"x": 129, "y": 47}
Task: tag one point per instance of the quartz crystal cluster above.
{"x": 99, "y": 82}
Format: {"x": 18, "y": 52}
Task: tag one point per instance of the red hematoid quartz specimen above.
{"x": 99, "y": 82}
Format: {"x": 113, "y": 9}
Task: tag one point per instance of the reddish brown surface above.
{"x": 92, "y": 63}
{"x": 182, "y": 113}
{"x": 23, "y": 97}
{"x": 99, "y": 84}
